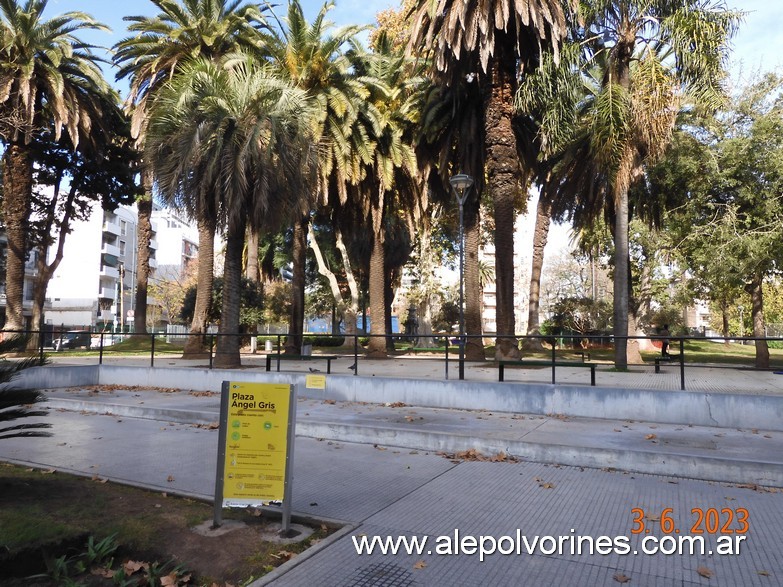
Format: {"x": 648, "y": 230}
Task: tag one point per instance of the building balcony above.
{"x": 153, "y": 263}
{"x": 112, "y": 272}
{"x": 108, "y": 249}
{"x": 154, "y": 245}
{"x": 111, "y": 228}
{"x": 108, "y": 293}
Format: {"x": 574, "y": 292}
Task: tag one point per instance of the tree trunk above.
{"x": 196, "y": 346}
{"x": 293, "y": 344}
{"x": 503, "y": 181}
{"x": 621, "y": 281}
{"x": 144, "y": 231}
{"x": 377, "y": 345}
{"x": 17, "y": 190}
{"x": 474, "y": 349}
{"x": 388, "y": 301}
{"x": 251, "y": 267}
{"x": 724, "y": 311}
{"x": 227, "y": 355}
{"x": 352, "y": 309}
{"x": 754, "y": 288}
{"x": 540, "y": 237}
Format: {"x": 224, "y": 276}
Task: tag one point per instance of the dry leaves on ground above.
{"x": 620, "y": 578}
{"x": 474, "y": 455}
{"x": 420, "y": 565}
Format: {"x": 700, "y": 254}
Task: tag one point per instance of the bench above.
{"x": 531, "y": 363}
{"x": 284, "y": 357}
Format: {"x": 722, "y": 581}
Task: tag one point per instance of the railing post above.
{"x": 100, "y": 351}
{"x": 211, "y": 347}
{"x": 278, "y": 353}
{"x": 682, "y": 364}
{"x": 355, "y": 354}
{"x": 553, "y": 361}
{"x": 447, "y": 357}
{"x": 152, "y": 350}
{"x": 41, "y": 341}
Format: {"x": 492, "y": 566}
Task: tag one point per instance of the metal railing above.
{"x": 444, "y": 347}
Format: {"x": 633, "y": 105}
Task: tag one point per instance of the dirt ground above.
{"x": 45, "y": 515}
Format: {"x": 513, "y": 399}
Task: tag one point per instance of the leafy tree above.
{"x": 181, "y": 32}
{"x": 251, "y": 304}
{"x": 645, "y": 60}
{"x": 488, "y": 43}
{"x": 69, "y": 181}
{"x": 233, "y": 138}
{"x": 49, "y": 78}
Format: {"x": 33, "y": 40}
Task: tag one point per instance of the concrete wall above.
{"x": 701, "y": 409}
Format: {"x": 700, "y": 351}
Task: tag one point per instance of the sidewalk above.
{"x": 375, "y": 469}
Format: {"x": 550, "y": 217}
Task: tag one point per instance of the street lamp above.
{"x": 461, "y": 185}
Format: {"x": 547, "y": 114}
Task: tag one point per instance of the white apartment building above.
{"x": 94, "y": 285}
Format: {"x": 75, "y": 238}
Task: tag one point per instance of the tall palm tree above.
{"x": 311, "y": 56}
{"x": 233, "y": 137}
{"x": 652, "y": 57}
{"x": 387, "y": 120}
{"x": 48, "y": 76}
{"x": 156, "y": 51}
{"x": 490, "y": 42}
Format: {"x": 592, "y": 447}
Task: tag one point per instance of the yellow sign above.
{"x": 315, "y": 382}
{"x": 256, "y": 442}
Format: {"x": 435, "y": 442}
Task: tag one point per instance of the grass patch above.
{"x": 44, "y": 516}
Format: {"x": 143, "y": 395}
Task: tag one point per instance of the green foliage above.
{"x": 251, "y": 300}
{"x": 580, "y": 316}
{"x": 16, "y": 404}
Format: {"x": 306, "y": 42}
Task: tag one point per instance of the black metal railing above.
{"x": 444, "y": 347}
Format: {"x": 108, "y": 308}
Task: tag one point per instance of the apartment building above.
{"x": 94, "y": 285}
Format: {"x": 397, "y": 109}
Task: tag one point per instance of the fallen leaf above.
{"x": 396, "y": 405}
{"x": 705, "y": 572}
{"x": 547, "y": 485}
{"x": 620, "y": 578}
{"x": 763, "y": 573}
{"x": 284, "y": 555}
{"x": 131, "y": 567}
{"x": 650, "y": 437}
{"x": 48, "y": 472}
{"x": 169, "y": 580}
{"x": 420, "y": 565}
{"x": 170, "y": 478}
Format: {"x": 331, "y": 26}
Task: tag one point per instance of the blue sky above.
{"x": 758, "y": 46}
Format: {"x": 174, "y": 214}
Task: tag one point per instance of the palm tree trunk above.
{"x": 377, "y": 345}
{"x": 195, "y": 347}
{"x": 293, "y": 343}
{"x": 754, "y": 288}
{"x": 474, "y": 349}
{"x": 504, "y": 184}
{"x": 227, "y": 355}
{"x": 621, "y": 281}
{"x": 540, "y": 237}
{"x": 17, "y": 190}
{"x": 251, "y": 267}
{"x": 144, "y": 231}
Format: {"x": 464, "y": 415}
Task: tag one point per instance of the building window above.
{"x": 122, "y": 248}
{"x": 123, "y": 227}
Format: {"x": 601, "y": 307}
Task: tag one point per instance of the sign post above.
{"x": 255, "y": 447}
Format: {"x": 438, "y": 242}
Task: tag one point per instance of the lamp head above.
{"x": 461, "y": 184}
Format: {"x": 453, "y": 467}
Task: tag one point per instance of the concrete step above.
{"x": 699, "y": 452}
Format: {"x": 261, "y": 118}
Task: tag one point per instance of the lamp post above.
{"x": 461, "y": 185}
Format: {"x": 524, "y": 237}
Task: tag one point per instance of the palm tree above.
{"x": 387, "y": 162}
{"x": 310, "y": 56}
{"x": 652, "y": 57}
{"x": 48, "y": 76}
{"x": 233, "y": 138}
{"x": 157, "y": 50}
{"x": 489, "y": 42}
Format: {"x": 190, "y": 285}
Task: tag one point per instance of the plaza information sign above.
{"x": 255, "y": 444}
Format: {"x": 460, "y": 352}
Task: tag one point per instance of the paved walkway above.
{"x": 378, "y": 486}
